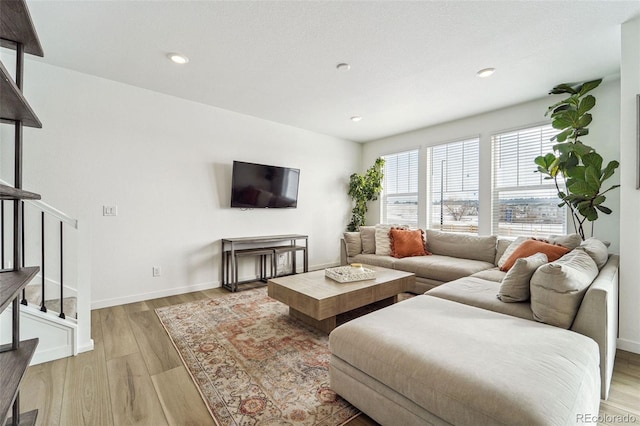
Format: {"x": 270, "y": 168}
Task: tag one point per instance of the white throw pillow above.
{"x": 557, "y": 288}
{"x": 597, "y": 250}
{"x": 509, "y": 251}
{"x": 569, "y": 241}
{"x": 383, "y": 241}
{"x": 515, "y": 285}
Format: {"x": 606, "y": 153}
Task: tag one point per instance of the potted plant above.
{"x": 362, "y": 189}
{"x": 576, "y": 168}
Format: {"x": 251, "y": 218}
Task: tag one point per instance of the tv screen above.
{"x": 262, "y": 186}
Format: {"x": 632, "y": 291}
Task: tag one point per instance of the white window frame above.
{"x": 386, "y": 194}
{"x": 545, "y": 146}
{"x": 432, "y": 168}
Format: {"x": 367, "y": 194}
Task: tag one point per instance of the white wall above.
{"x": 630, "y": 196}
{"x": 166, "y": 164}
{"x": 604, "y": 136}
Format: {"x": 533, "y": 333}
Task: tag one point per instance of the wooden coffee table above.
{"x": 317, "y": 300}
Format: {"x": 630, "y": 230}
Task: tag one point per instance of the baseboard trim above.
{"x": 106, "y": 303}
{"x": 86, "y": 347}
{"x": 629, "y": 345}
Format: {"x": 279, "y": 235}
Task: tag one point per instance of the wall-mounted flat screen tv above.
{"x": 262, "y": 186}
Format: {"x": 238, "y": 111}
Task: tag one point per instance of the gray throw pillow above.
{"x": 515, "y": 285}
{"x": 353, "y": 242}
{"x": 557, "y": 288}
{"x": 368, "y": 237}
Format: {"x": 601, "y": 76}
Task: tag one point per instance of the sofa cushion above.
{"x": 375, "y": 260}
{"x": 515, "y": 285}
{"x": 463, "y": 246}
{"x": 353, "y": 242}
{"x": 501, "y": 246}
{"x": 569, "y": 241}
{"x": 407, "y": 242}
{"x": 441, "y": 268}
{"x": 597, "y": 250}
{"x": 493, "y": 274}
{"x": 368, "y": 237}
{"x": 480, "y": 293}
{"x": 530, "y": 247}
{"x": 557, "y": 288}
{"x": 470, "y": 366}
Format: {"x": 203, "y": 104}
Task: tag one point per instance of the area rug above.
{"x": 253, "y": 364}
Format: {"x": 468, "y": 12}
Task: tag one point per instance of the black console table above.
{"x": 261, "y": 248}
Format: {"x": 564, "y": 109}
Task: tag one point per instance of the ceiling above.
{"x": 413, "y": 64}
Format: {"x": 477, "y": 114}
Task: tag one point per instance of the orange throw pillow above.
{"x": 531, "y": 247}
{"x": 406, "y": 243}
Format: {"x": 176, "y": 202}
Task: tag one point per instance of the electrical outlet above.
{"x": 156, "y": 271}
{"x": 109, "y": 210}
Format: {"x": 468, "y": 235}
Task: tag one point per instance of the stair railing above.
{"x": 47, "y": 214}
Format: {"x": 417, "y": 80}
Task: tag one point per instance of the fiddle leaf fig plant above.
{"x": 362, "y": 189}
{"x": 576, "y": 168}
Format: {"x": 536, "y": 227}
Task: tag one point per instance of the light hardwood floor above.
{"x": 134, "y": 376}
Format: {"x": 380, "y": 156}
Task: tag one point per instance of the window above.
{"x": 453, "y": 186}
{"x": 523, "y": 202}
{"x": 400, "y": 189}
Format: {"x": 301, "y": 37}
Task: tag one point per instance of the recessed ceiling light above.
{"x": 486, "y": 72}
{"x": 356, "y": 118}
{"x": 178, "y": 58}
{"x": 343, "y": 66}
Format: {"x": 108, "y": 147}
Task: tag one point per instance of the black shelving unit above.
{"x": 16, "y": 32}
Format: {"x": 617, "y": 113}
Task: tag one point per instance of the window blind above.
{"x": 453, "y": 186}
{"x": 524, "y": 203}
{"x": 400, "y": 189}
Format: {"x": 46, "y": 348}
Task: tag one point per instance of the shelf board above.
{"x": 16, "y": 26}
{"x": 12, "y": 282}
{"x": 10, "y": 193}
{"x": 14, "y": 106}
{"x": 26, "y": 419}
{"x": 14, "y": 365}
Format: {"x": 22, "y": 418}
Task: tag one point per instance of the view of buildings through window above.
{"x": 453, "y": 186}
{"x": 523, "y": 202}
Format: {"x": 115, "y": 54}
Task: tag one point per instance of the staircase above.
{"x": 32, "y": 298}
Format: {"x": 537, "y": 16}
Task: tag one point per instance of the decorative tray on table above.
{"x": 350, "y": 273}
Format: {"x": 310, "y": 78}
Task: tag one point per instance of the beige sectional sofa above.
{"x": 459, "y": 355}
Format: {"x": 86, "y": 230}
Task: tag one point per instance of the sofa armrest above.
{"x": 343, "y": 252}
{"x": 598, "y": 318}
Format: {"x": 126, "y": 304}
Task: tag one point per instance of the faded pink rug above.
{"x": 253, "y": 364}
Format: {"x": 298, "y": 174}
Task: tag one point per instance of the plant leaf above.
{"x": 610, "y": 169}
{"x": 589, "y": 86}
{"x": 563, "y": 88}
{"x": 603, "y": 209}
{"x": 592, "y": 159}
{"x": 586, "y": 104}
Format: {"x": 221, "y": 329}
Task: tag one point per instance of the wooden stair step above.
{"x": 14, "y": 365}
{"x": 11, "y": 282}
{"x": 14, "y": 106}
{"x": 16, "y": 26}
{"x": 26, "y": 419}
{"x": 11, "y": 193}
